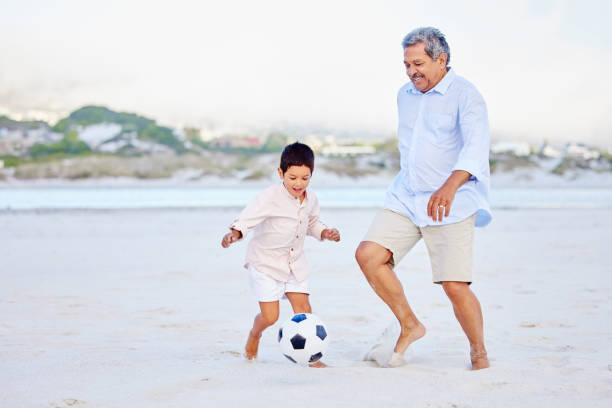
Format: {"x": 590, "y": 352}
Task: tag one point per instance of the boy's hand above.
{"x": 330, "y": 234}
{"x": 230, "y": 238}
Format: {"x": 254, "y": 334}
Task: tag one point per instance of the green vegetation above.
{"x": 162, "y": 135}
{"x": 258, "y": 174}
{"x": 5, "y": 120}
{"x": 96, "y": 165}
{"x": 12, "y": 161}
{"x": 493, "y": 164}
{"x": 70, "y": 144}
{"x": 510, "y": 162}
{"x": 348, "y": 167}
{"x": 91, "y": 115}
{"x": 389, "y": 146}
{"x": 28, "y": 124}
{"x": 275, "y": 142}
{"x": 146, "y": 128}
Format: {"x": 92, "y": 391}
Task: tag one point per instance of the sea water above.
{"x": 94, "y": 198}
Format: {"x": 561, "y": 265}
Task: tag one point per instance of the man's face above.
{"x": 295, "y": 179}
{"x": 424, "y": 72}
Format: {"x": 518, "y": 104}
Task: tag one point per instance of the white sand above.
{"x": 145, "y": 309}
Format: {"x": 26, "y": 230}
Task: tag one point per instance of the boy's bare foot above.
{"x": 318, "y": 364}
{"x": 408, "y": 336}
{"x": 479, "y": 358}
{"x": 252, "y": 345}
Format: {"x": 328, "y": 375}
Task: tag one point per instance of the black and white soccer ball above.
{"x": 303, "y": 338}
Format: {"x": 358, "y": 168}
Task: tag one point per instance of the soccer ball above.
{"x": 303, "y": 338}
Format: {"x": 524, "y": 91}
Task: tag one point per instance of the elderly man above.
{"x": 440, "y": 193}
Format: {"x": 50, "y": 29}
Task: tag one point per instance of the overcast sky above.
{"x": 541, "y": 65}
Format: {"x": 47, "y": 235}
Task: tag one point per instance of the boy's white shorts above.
{"x": 268, "y": 289}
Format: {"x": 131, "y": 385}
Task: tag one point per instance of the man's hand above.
{"x": 330, "y": 234}
{"x": 440, "y": 202}
{"x": 230, "y": 238}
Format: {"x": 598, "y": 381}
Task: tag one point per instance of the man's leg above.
{"x": 372, "y": 259}
{"x": 468, "y": 313}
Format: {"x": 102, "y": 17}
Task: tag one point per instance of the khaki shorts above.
{"x": 449, "y": 246}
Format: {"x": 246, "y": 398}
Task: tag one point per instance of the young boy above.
{"x": 282, "y": 216}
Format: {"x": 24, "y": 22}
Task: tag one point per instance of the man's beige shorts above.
{"x": 449, "y": 246}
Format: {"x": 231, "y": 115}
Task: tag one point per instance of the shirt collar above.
{"x": 441, "y": 87}
{"x": 288, "y": 194}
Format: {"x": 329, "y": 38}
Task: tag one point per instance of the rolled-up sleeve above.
{"x": 474, "y": 128}
{"x": 315, "y": 226}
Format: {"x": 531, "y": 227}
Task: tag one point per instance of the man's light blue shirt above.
{"x": 440, "y": 131}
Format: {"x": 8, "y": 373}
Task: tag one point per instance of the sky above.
{"x": 321, "y": 65}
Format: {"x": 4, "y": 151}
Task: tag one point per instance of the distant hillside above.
{"x": 91, "y": 115}
{"x": 5, "y": 121}
{"x": 146, "y": 128}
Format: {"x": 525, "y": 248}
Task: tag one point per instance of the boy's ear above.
{"x": 280, "y": 172}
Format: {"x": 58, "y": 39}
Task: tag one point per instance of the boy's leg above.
{"x": 300, "y": 304}
{"x": 265, "y": 319}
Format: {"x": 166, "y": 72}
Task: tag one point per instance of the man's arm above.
{"x": 440, "y": 202}
{"x": 473, "y": 160}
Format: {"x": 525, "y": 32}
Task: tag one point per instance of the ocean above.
{"x": 110, "y": 198}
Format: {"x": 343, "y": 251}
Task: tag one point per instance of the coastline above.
{"x": 517, "y": 178}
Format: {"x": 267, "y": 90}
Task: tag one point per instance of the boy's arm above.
{"x": 253, "y": 214}
{"x": 315, "y": 226}
{"x": 230, "y": 238}
{"x": 330, "y": 234}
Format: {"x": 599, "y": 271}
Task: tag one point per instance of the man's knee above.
{"x": 370, "y": 253}
{"x": 455, "y": 290}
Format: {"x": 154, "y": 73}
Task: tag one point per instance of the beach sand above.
{"x": 145, "y": 309}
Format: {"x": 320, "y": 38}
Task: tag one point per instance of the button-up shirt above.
{"x": 440, "y": 131}
{"x": 281, "y": 222}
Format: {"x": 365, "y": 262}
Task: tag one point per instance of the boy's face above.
{"x": 296, "y": 179}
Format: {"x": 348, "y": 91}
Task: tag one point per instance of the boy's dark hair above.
{"x": 297, "y": 154}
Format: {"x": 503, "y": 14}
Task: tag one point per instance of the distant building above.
{"x": 580, "y": 151}
{"x": 548, "y": 151}
{"x": 314, "y": 141}
{"x": 344, "y": 151}
{"x": 17, "y": 138}
{"x": 520, "y": 149}
{"x": 236, "y": 142}
{"x": 96, "y": 135}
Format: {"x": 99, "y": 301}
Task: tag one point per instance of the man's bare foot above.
{"x": 318, "y": 364}
{"x": 396, "y": 360}
{"x": 408, "y": 336}
{"x": 479, "y": 358}
{"x": 252, "y": 345}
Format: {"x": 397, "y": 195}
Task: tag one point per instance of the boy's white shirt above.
{"x": 281, "y": 223}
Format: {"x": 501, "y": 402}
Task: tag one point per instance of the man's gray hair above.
{"x": 435, "y": 43}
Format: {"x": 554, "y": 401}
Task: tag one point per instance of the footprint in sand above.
{"x": 545, "y": 325}
{"x": 68, "y": 402}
